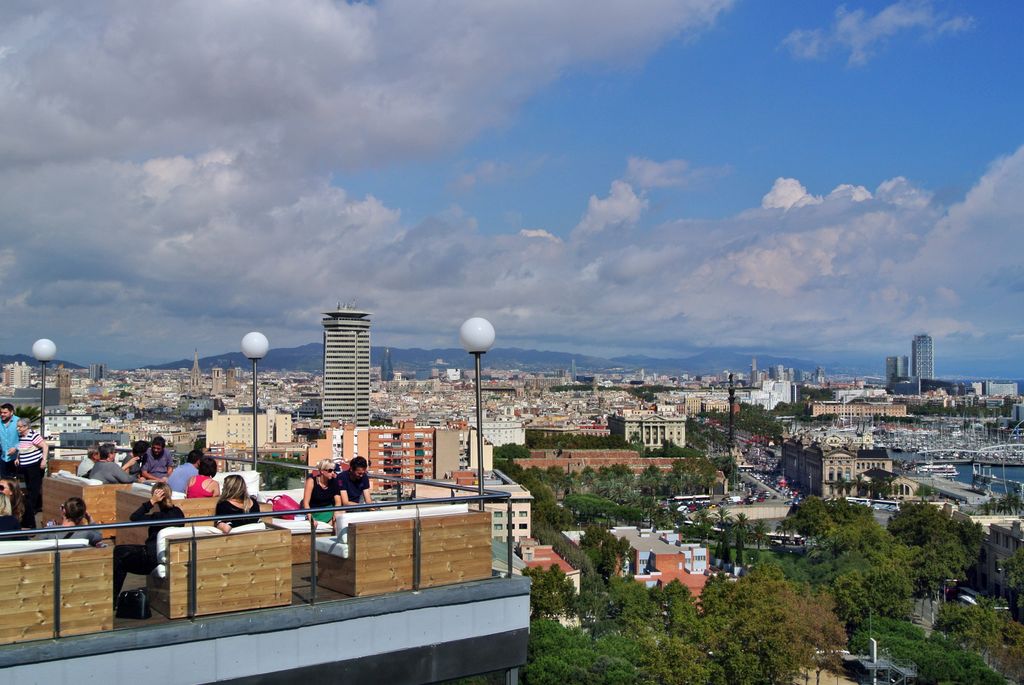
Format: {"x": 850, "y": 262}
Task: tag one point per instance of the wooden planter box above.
{"x": 128, "y": 501}
{"x": 26, "y": 584}
{"x": 233, "y": 573}
{"x": 453, "y": 549}
{"x": 300, "y": 543}
{"x": 66, "y": 465}
{"x": 100, "y": 500}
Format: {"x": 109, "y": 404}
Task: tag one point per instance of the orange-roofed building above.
{"x": 658, "y": 557}
{"x": 544, "y": 557}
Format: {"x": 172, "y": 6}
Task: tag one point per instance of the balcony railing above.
{"x": 403, "y": 488}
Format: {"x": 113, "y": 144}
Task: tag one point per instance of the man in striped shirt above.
{"x": 31, "y": 461}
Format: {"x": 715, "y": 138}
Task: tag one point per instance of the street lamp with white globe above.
{"x": 477, "y": 337}
{"x": 44, "y": 350}
{"x": 255, "y": 346}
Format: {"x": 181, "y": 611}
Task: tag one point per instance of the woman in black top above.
{"x": 322, "y": 490}
{"x": 142, "y": 559}
{"x": 234, "y": 499}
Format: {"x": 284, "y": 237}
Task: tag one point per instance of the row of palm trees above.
{"x": 738, "y": 529}
{"x": 876, "y": 488}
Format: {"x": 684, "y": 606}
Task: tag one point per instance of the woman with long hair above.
{"x": 142, "y": 559}
{"x": 20, "y": 508}
{"x": 235, "y": 499}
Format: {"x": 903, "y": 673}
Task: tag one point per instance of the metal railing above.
{"x": 471, "y": 496}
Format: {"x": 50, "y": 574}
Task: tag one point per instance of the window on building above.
{"x": 499, "y": 526}
{"x": 523, "y": 526}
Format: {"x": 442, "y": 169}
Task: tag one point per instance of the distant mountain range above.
{"x": 32, "y": 361}
{"x": 420, "y": 361}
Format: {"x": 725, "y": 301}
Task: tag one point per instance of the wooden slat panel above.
{"x": 454, "y": 548}
{"x": 233, "y": 572}
{"x": 26, "y": 584}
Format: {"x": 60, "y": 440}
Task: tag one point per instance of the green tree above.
{"x": 606, "y": 552}
{"x": 740, "y": 529}
{"x": 552, "y": 594}
{"x": 760, "y": 533}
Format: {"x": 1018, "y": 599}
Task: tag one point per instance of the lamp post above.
{"x": 44, "y": 350}
{"x": 254, "y": 346}
{"x": 477, "y": 336}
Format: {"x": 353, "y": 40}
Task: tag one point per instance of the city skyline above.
{"x": 809, "y": 180}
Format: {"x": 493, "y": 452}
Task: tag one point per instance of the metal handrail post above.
{"x": 192, "y": 574}
{"x": 417, "y": 552}
{"x": 312, "y": 560}
{"x": 509, "y": 540}
{"x": 56, "y": 592}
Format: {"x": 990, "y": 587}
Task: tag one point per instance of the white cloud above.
{"x": 850, "y": 192}
{"x": 539, "y": 233}
{"x": 300, "y": 81}
{"x": 213, "y": 246}
{"x": 861, "y": 34}
{"x": 646, "y": 173}
{"x": 621, "y": 209}
{"x": 787, "y": 193}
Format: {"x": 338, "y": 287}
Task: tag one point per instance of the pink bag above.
{"x": 284, "y": 503}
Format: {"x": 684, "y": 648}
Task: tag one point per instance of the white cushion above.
{"x": 177, "y": 533}
{"x": 299, "y": 527}
{"x": 19, "y": 546}
{"x": 70, "y": 477}
{"x": 443, "y": 509}
{"x": 142, "y": 488}
{"x": 333, "y": 547}
{"x": 338, "y": 545}
{"x": 248, "y": 528}
{"x": 251, "y": 478}
{"x": 343, "y": 519}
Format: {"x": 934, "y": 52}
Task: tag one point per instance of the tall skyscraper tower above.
{"x": 895, "y": 368}
{"x": 922, "y": 355}
{"x": 346, "y": 395}
{"x": 753, "y": 370}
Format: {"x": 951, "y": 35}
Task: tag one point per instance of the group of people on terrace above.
{"x": 25, "y": 460}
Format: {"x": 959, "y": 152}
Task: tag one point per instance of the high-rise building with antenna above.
{"x": 346, "y": 393}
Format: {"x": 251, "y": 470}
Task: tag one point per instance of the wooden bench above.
{"x": 243, "y": 570}
{"x": 299, "y": 531}
{"x": 131, "y": 499}
{"x": 54, "y": 465}
{"x": 377, "y": 555}
{"x": 100, "y": 500}
{"x": 26, "y": 584}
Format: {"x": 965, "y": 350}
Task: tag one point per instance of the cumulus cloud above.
{"x": 787, "y": 193}
{"x": 861, "y": 35}
{"x": 206, "y": 248}
{"x": 337, "y": 83}
{"x": 620, "y": 210}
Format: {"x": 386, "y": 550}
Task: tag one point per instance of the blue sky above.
{"x": 799, "y": 178}
{"x": 934, "y": 109}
